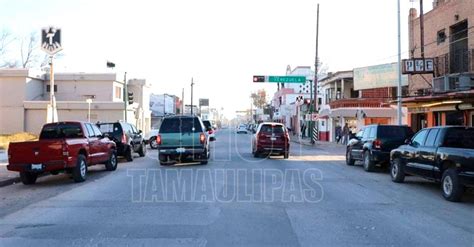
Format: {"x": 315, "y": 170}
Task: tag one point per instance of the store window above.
{"x": 118, "y": 92}
{"x": 455, "y": 118}
{"x": 437, "y": 118}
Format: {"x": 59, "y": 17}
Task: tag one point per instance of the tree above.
{"x": 6, "y": 39}
{"x": 259, "y": 99}
{"x": 29, "y": 51}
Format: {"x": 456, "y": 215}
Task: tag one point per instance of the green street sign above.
{"x": 287, "y": 79}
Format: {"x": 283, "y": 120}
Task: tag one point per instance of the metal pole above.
{"x": 125, "y": 96}
{"x": 89, "y": 112}
{"x": 422, "y": 30}
{"x": 399, "y": 88}
{"x": 315, "y": 80}
{"x": 164, "y": 105}
{"x": 192, "y": 84}
{"x": 51, "y": 89}
{"x": 182, "y": 102}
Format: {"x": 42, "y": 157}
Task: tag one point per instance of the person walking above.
{"x": 345, "y": 134}
{"x": 338, "y": 134}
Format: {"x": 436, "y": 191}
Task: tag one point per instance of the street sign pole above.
{"x": 52, "y": 100}
{"x": 51, "y": 44}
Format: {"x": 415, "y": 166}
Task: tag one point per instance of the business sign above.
{"x": 378, "y": 76}
{"x": 418, "y": 66}
{"x": 279, "y": 79}
{"x": 203, "y": 102}
{"x": 51, "y": 40}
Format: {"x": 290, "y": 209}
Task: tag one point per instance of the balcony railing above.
{"x": 454, "y": 62}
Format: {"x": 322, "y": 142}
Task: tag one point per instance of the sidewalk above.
{"x": 319, "y": 144}
{"x": 7, "y": 177}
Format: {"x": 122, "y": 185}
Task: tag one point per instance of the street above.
{"x": 311, "y": 199}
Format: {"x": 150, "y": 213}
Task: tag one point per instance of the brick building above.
{"x": 446, "y": 96}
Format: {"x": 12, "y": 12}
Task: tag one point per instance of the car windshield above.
{"x": 394, "y": 132}
{"x": 57, "y": 131}
{"x": 459, "y": 138}
{"x": 181, "y": 125}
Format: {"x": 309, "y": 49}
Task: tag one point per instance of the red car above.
{"x": 62, "y": 147}
{"x": 271, "y": 138}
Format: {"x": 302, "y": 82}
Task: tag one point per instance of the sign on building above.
{"x": 51, "y": 40}
{"x": 203, "y": 102}
{"x": 377, "y": 76}
{"x": 418, "y": 66}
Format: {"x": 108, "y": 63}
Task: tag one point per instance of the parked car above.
{"x": 242, "y": 129}
{"x": 210, "y": 129}
{"x": 151, "y": 137}
{"x": 441, "y": 154}
{"x": 271, "y": 138}
{"x": 129, "y": 140}
{"x": 62, "y": 147}
{"x": 183, "y": 138}
{"x": 373, "y": 143}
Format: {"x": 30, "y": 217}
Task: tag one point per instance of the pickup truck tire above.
{"x": 28, "y": 177}
{"x": 79, "y": 173}
{"x": 142, "y": 150}
{"x": 129, "y": 154}
{"x": 397, "y": 172}
{"x": 451, "y": 185}
{"x": 349, "y": 160}
{"x": 111, "y": 164}
{"x": 369, "y": 165}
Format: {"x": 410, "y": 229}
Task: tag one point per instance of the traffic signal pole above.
{"x": 125, "y": 96}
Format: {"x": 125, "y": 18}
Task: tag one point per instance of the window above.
{"x": 430, "y": 140}
{"x": 394, "y": 132}
{"x": 360, "y": 134}
{"x": 373, "y": 131}
{"x": 48, "y": 88}
{"x": 459, "y": 138}
{"x": 441, "y": 36}
{"x": 181, "y": 125}
{"x": 118, "y": 92}
{"x": 366, "y": 133}
{"x": 97, "y": 132}
{"x": 58, "y": 131}
{"x": 277, "y": 129}
{"x": 419, "y": 138}
{"x": 89, "y": 130}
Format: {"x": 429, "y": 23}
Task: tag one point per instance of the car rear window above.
{"x": 207, "y": 124}
{"x": 394, "y": 132}
{"x": 115, "y": 129}
{"x": 275, "y": 129}
{"x": 181, "y": 125}
{"x": 58, "y": 131}
{"x": 459, "y": 138}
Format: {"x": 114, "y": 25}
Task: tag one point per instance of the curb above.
{"x": 10, "y": 181}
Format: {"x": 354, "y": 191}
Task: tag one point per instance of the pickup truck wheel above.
{"x": 111, "y": 164}
{"x": 79, "y": 173}
{"x": 452, "y": 188}
{"x": 142, "y": 150}
{"x": 349, "y": 160}
{"x": 28, "y": 177}
{"x": 397, "y": 172}
{"x": 129, "y": 154}
{"x": 369, "y": 164}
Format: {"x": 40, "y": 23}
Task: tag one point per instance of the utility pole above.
{"x": 399, "y": 87}
{"x": 125, "y": 96}
{"x": 51, "y": 91}
{"x": 315, "y": 79}
{"x": 192, "y": 85}
{"x": 164, "y": 105}
{"x": 182, "y": 102}
{"x": 422, "y": 31}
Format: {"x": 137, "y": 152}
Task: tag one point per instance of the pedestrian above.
{"x": 345, "y": 134}
{"x": 338, "y": 134}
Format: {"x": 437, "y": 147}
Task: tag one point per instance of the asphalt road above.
{"x": 311, "y": 199}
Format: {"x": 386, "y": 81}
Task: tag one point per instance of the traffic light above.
{"x": 130, "y": 98}
{"x": 258, "y": 78}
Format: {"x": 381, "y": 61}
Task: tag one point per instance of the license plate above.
{"x": 36, "y": 166}
{"x": 273, "y": 138}
{"x": 181, "y": 150}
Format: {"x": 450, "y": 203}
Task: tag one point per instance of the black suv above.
{"x": 373, "y": 143}
{"x": 129, "y": 140}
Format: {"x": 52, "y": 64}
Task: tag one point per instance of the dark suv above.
{"x": 129, "y": 140}
{"x": 373, "y": 143}
{"x": 183, "y": 138}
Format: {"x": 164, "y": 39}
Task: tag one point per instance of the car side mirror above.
{"x": 140, "y": 131}
{"x": 408, "y": 141}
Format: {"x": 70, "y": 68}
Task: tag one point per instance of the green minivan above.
{"x": 183, "y": 138}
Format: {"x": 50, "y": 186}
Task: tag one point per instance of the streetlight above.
{"x": 89, "y": 101}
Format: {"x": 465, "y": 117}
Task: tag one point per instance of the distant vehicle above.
{"x": 242, "y": 129}
{"x": 129, "y": 140}
{"x": 271, "y": 138}
{"x": 183, "y": 138}
{"x": 373, "y": 143}
{"x": 441, "y": 154}
{"x": 152, "y": 138}
{"x": 210, "y": 129}
{"x": 62, "y": 147}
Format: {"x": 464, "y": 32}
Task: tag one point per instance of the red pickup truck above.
{"x": 62, "y": 147}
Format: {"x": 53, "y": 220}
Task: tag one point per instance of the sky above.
{"x": 219, "y": 43}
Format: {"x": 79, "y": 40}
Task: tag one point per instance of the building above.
{"x": 357, "y": 98}
{"x": 445, "y": 97}
{"x": 24, "y": 97}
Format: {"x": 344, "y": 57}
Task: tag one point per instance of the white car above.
{"x": 151, "y": 137}
{"x": 242, "y": 129}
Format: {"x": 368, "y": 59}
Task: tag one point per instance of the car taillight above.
{"x": 65, "y": 150}
{"x": 202, "y": 138}
{"x": 377, "y": 143}
{"x": 158, "y": 139}
{"x": 124, "y": 138}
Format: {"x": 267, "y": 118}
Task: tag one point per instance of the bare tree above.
{"x": 29, "y": 51}
{"x": 6, "y": 38}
